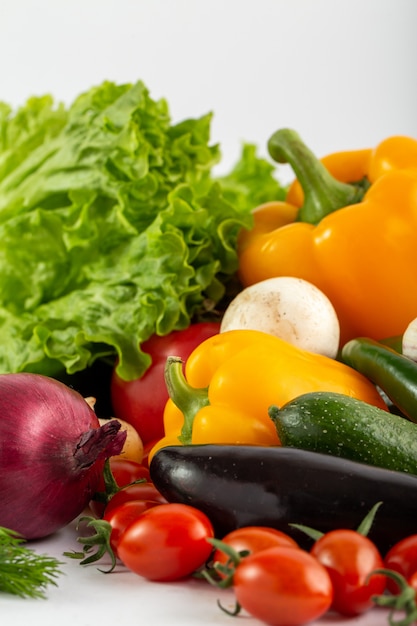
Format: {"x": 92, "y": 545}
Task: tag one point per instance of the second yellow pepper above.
{"x": 232, "y": 378}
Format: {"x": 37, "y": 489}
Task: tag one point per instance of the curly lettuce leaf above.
{"x": 251, "y": 181}
{"x": 112, "y": 228}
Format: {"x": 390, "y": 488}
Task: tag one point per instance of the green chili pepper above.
{"x": 393, "y": 373}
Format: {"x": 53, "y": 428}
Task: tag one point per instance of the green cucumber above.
{"x": 346, "y": 427}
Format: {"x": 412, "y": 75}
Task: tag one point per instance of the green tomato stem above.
{"x": 404, "y": 601}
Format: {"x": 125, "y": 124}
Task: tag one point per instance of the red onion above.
{"x": 52, "y": 453}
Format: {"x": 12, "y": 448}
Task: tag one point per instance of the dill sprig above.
{"x": 23, "y": 572}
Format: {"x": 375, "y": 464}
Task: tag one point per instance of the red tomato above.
{"x": 124, "y": 472}
{"x": 121, "y": 516}
{"x": 412, "y": 581}
{"x": 253, "y": 539}
{"x": 141, "y": 402}
{"x": 283, "y": 586}
{"x": 141, "y": 491}
{"x": 349, "y": 558}
{"x": 402, "y": 558}
{"x": 168, "y": 542}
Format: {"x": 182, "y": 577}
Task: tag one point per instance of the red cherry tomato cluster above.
{"x": 273, "y": 578}
{"x": 282, "y": 584}
{"x": 279, "y": 583}
{"x": 154, "y": 539}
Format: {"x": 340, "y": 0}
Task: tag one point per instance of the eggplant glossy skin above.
{"x": 275, "y": 486}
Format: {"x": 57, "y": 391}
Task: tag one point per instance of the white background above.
{"x": 341, "y": 72}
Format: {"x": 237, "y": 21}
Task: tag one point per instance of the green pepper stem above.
{"x": 323, "y": 194}
{"x": 188, "y": 399}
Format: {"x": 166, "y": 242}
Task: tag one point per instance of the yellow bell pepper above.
{"x": 365, "y": 166}
{"x": 232, "y": 378}
{"x": 357, "y": 245}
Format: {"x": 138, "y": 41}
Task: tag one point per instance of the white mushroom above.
{"x": 409, "y": 341}
{"x": 290, "y": 308}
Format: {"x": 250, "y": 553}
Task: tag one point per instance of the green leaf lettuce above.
{"x": 112, "y": 227}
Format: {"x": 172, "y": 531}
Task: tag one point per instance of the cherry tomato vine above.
{"x": 272, "y": 577}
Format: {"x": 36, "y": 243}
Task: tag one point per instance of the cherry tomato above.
{"x": 283, "y": 586}
{"x": 125, "y": 472}
{"x": 402, "y": 558}
{"x": 121, "y": 516}
{"x": 140, "y": 491}
{"x": 412, "y": 581}
{"x": 252, "y": 539}
{"x": 141, "y": 401}
{"x": 168, "y": 542}
{"x": 349, "y": 558}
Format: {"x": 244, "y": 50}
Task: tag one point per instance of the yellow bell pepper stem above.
{"x": 323, "y": 194}
{"x": 348, "y": 166}
{"x": 188, "y": 399}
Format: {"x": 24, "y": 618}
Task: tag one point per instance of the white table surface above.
{"x": 84, "y": 596}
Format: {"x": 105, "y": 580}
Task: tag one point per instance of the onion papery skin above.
{"x": 52, "y": 453}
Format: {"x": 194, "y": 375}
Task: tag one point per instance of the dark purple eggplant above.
{"x": 276, "y": 486}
